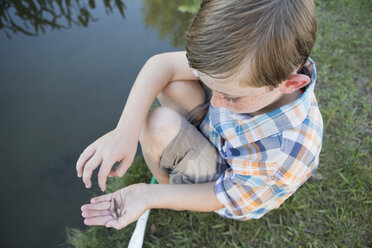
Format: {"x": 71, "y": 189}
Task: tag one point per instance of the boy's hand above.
{"x": 120, "y": 145}
{"x": 117, "y": 209}
{"x": 106, "y": 151}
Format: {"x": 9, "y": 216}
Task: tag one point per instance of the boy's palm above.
{"x": 117, "y": 209}
{"x": 106, "y": 151}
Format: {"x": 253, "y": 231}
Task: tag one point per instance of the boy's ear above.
{"x": 295, "y": 82}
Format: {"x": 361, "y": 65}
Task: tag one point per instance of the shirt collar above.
{"x": 284, "y": 118}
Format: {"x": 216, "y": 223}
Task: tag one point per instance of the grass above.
{"x": 334, "y": 211}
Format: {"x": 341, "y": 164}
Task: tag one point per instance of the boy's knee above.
{"x": 177, "y": 96}
{"x": 161, "y": 126}
{"x": 178, "y": 88}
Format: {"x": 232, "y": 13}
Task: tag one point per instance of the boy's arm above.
{"x": 158, "y": 71}
{"x": 193, "y": 197}
{"x": 125, "y": 206}
{"x": 120, "y": 144}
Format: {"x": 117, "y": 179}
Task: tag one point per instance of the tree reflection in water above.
{"x": 165, "y": 17}
{"x": 32, "y": 17}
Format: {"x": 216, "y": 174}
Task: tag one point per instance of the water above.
{"x": 59, "y": 92}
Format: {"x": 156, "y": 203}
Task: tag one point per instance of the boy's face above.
{"x": 238, "y": 99}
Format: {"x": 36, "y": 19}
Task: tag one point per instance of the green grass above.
{"x": 332, "y": 212}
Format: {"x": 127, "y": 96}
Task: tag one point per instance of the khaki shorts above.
{"x": 190, "y": 157}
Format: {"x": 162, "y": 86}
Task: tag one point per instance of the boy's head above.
{"x": 260, "y": 41}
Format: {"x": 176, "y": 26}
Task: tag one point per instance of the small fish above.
{"x": 116, "y": 209}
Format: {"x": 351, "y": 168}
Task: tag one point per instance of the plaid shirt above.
{"x": 269, "y": 156}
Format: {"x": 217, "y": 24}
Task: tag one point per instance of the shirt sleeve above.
{"x": 248, "y": 197}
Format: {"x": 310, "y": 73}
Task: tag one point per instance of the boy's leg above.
{"x": 163, "y": 124}
{"x": 182, "y": 96}
{"x": 176, "y": 151}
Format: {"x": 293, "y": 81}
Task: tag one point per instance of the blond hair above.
{"x": 265, "y": 39}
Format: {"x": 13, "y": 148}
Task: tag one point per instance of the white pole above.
{"x": 136, "y": 240}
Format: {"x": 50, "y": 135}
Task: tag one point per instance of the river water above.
{"x": 60, "y": 90}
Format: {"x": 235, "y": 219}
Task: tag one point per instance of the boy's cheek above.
{"x": 243, "y": 108}
{"x": 251, "y": 105}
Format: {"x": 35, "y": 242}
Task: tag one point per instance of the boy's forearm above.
{"x": 153, "y": 77}
{"x": 193, "y": 197}
{"x": 142, "y": 95}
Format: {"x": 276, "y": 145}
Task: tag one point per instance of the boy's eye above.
{"x": 231, "y": 99}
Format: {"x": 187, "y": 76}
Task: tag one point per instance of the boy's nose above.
{"x": 218, "y": 101}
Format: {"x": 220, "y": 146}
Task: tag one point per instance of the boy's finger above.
{"x": 102, "y": 198}
{"x": 92, "y": 213}
{"x": 100, "y": 220}
{"x": 89, "y": 167}
{"x": 96, "y": 206}
{"x": 84, "y": 157}
{"x": 121, "y": 168}
{"x": 103, "y": 173}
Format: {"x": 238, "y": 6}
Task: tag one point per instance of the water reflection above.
{"x": 165, "y": 17}
{"x": 31, "y": 17}
{"x": 61, "y": 91}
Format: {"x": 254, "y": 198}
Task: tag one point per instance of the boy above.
{"x": 244, "y": 154}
